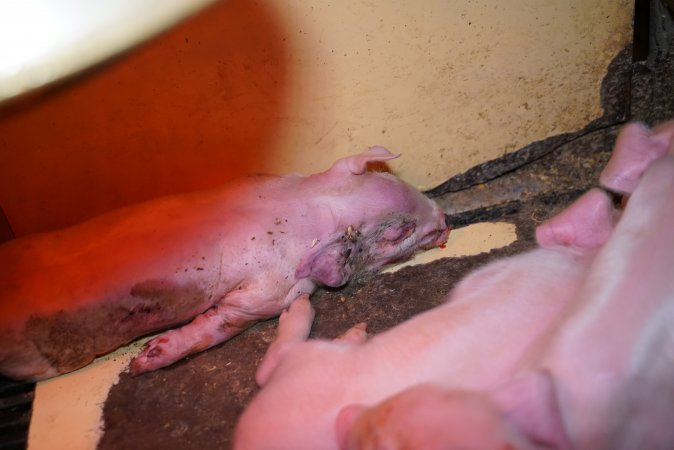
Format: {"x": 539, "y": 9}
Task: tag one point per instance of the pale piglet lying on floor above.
{"x": 225, "y": 258}
{"x": 555, "y": 348}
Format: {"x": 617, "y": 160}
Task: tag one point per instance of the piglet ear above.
{"x": 664, "y": 134}
{"x": 345, "y": 420}
{"x": 357, "y": 164}
{"x": 530, "y": 404}
{"x": 327, "y": 262}
{"x": 635, "y": 149}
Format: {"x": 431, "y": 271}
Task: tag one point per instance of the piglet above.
{"x": 215, "y": 261}
{"x": 441, "y": 364}
{"x": 601, "y": 376}
{"x": 611, "y": 356}
{"x": 312, "y": 391}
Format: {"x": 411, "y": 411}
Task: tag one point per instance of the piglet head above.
{"x": 520, "y": 415}
{"x": 429, "y": 417}
{"x": 374, "y": 218}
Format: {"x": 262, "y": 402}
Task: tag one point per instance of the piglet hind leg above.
{"x": 214, "y": 326}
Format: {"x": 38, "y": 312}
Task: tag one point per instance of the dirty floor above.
{"x": 195, "y": 403}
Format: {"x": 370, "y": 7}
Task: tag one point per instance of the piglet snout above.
{"x": 448, "y": 221}
{"x": 437, "y": 237}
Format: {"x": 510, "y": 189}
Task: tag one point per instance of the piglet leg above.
{"x": 294, "y": 327}
{"x": 214, "y": 326}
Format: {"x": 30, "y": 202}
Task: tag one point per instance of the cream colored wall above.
{"x": 290, "y": 85}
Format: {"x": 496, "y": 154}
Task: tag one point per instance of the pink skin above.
{"x": 598, "y": 379}
{"x": 219, "y": 260}
{"x": 500, "y": 303}
{"x": 431, "y": 417}
{"x": 618, "y": 395}
{"x": 637, "y": 147}
{"x": 522, "y": 344}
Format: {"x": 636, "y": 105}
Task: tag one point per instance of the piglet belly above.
{"x": 61, "y": 306}
{"x": 70, "y": 338}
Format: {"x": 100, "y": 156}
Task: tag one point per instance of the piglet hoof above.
{"x": 137, "y": 366}
{"x": 301, "y": 308}
{"x": 295, "y": 322}
{"x": 355, "y": 335}
{"x": 152, "y": 357}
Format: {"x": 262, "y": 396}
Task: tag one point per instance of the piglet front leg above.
{"x": 294, "y": 327}
{"x": 214, "y": 326}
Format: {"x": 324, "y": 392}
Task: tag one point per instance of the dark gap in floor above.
{"x": 16, "y": 399}
{"x": 641, "y": 30}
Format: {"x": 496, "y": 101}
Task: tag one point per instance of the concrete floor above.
{"x": 195, "y": 403}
